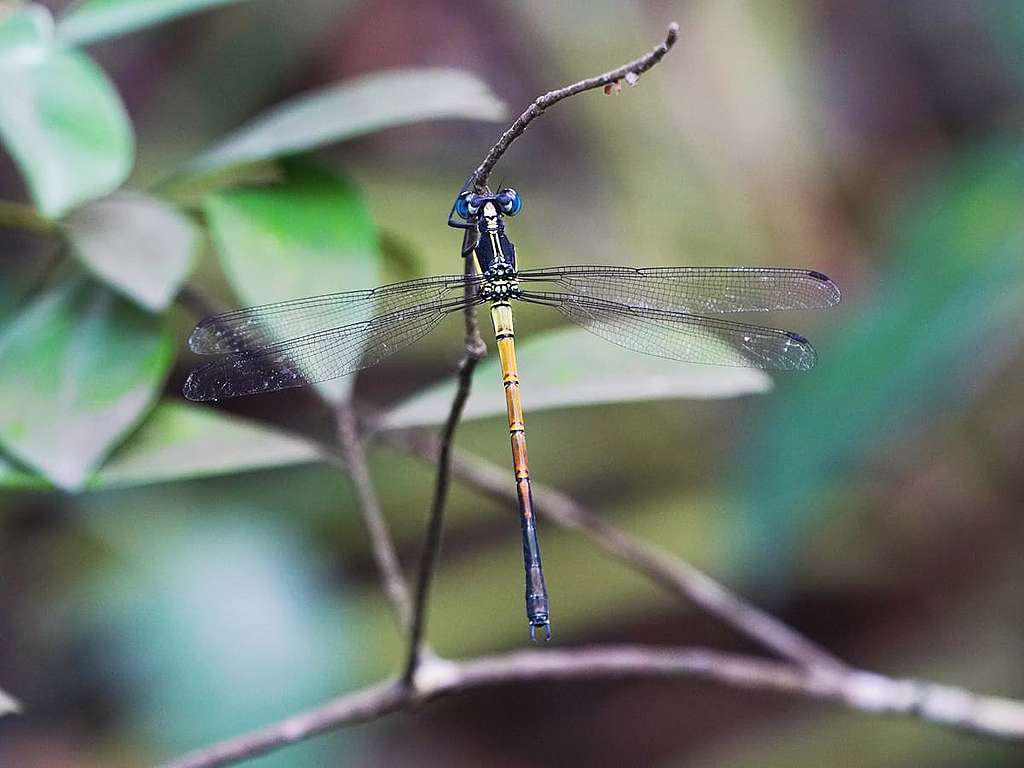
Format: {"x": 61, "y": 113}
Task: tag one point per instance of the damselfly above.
{"x": 670, "y": 312}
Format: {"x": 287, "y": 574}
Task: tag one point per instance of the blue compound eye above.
{"x": 474, "y": 203}
{"x": 462, "y": 206}
{"x": 510, "y": 201}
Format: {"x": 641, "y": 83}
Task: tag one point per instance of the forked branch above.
{"x": 629, "y": 72}
{"x": 854, "y": 689}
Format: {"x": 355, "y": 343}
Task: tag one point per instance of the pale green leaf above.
{"x": 354, "y": 108}
{"x": 90, "y": 21}
{"x": 78, "y": 369}
{"x": 309, "y": 235}
{"x": 570, "y": 367}
{"x": 178, "y": 441}
{"x": 15, "y": 478}
{"x": 8, "y": 704}
{"x": 137, "y": 244}
{"x": 25, "y": 38}
{"x": 65, "y": 126}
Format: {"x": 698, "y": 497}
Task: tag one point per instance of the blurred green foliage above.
{"x": 60, "y": 117}
{"x": 173, "y": 574}
{"x": 928, "y": 339}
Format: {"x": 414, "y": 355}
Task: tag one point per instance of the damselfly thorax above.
{"x": 495, "y": 256}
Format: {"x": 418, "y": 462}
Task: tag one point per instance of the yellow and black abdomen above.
{"x": 536, "y": 591}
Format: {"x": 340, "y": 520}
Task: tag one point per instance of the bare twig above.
{"x": 673, "y": 574}
{"x": 628, "y": 72}
{"x": 381, "y": 543}
{"x": 475, "y": 350}
{"x": 855, "y": 689}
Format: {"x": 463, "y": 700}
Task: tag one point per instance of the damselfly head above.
{"x": 469, "y": 204}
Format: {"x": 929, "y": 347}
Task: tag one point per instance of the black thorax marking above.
{"x": 497, "y": 257}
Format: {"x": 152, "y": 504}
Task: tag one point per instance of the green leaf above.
{"x": 8, "y": 704}
{"x": 25, "y": 38}
{"x": 137, "y": 244}
{"x": 354, "y": 108}
{"x": 67, "y": 130}
{"x": 179, "y": 441}
{"x": 933, "y": 331}
{"x": 571, "y": 367}
{"x": 14, "y": 478}
{"x": 309, "y": 235}
{"x": 78, "y": 369}
{"x": 90, "y": 21}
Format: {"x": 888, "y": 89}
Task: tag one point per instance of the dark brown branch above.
{"x": 628, "y": 72}
{"x": 388, "y": 568}
{"x": 475, "y": 350}
{"x": 855, "y": 689}
{"x": 673, "y": 574}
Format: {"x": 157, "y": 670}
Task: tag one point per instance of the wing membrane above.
{"x": 255, "y": 327}
{"x": 317, "y": 356}
{"x": 683, "y": 336}
{"x": 697, "y": 290}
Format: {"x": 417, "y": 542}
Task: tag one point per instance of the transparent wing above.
{"x": 317, "y": 356}
{"x": 699, "y": 290}
{"x": 254, "y": 327}
{"x": 682, "y": 336}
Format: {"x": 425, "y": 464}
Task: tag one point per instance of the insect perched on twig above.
{"x": 671, "y": 312}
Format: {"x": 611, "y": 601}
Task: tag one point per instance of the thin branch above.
{"x": 388, "y": 568}
{"x": 358, "y": 707}
{"x": 475, "y": 350}
{"x": 856, "y": 689}
{"x": 25, "y": 218}
{"x": 351, "y": 459}
{"x": 628, "y": 72}
{"x": 673, "y": 574}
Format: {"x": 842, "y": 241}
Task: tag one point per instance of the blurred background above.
{"x": 172, "y": 574}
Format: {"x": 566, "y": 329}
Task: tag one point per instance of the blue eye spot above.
{"x": 474, "y": 202}
{"x": 462, "y": 207}
{"x": 510, "y": 201}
